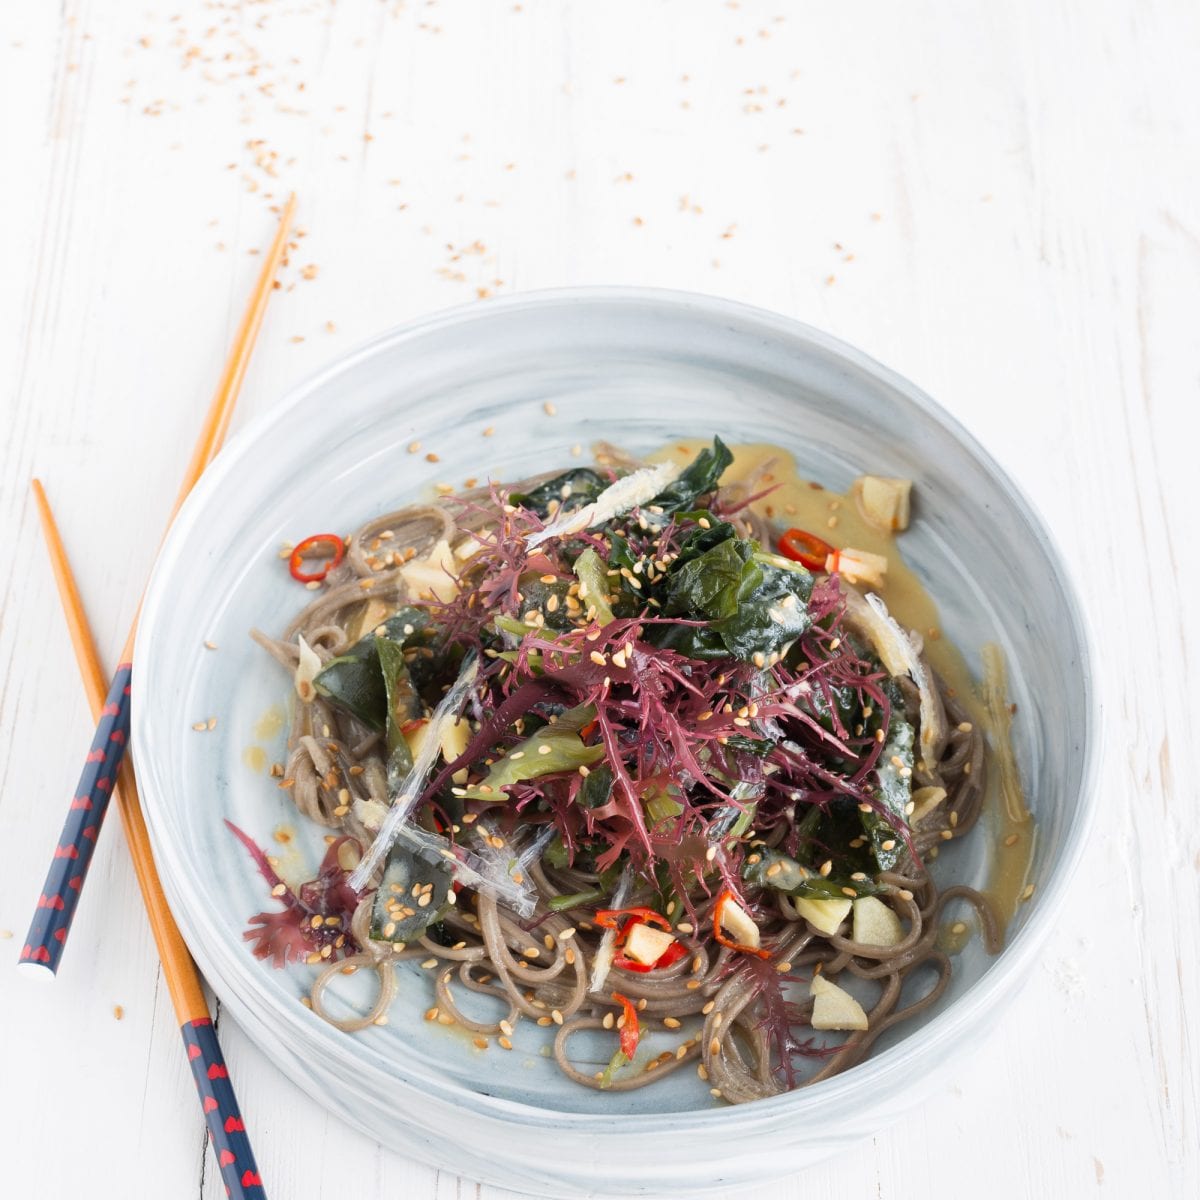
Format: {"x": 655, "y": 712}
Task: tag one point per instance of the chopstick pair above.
{"x": 108, "y": 772}
{"x": 68, "y": 871}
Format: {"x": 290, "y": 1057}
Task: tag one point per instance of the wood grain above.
{"x": 999, "y": 201}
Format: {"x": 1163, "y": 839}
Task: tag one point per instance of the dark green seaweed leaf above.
{"x": 755, "y": 606}
{"x": 597, "y": 787}
{"x": 583, "y": 486}
{"x": 354, "y": 680}
{"x": 699, "y": 478}
{"x": 711, "y": 585}
{"x": 398, "y": 915}
{"x": 894, "y": 793}
{"x": 535, "y": 597}
{"x": 772, "y": 614}
{"x": 701, "y": 540}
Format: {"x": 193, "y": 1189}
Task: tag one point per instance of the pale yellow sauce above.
{"x": 270, "y": 724}
{"x": 265, "y": 729}
{"x": 951, "y": 939}
{"x": 797, "y": 502}
{"x": 255, "y": 757}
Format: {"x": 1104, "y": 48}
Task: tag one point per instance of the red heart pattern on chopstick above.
{"x": 73, "y": 855}
{"x": 225, "y": 1125}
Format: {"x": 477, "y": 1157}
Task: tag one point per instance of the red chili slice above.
{"x": 718, "y": 909}
{"x": 607, "y": 918}
{"x": 805, "y": 548}
{"x": 306, "y": 550}
{"x": 630, "y": 1033}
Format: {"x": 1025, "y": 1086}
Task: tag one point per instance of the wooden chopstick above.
{"x": 60, "y": 895}
{"x": 218, "y": 1101}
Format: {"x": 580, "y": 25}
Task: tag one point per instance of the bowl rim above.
{"x": 241, "y": 976}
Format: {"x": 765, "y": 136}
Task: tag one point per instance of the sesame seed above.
{"x": 826, "y": 867}
{"x": 598, "y": 658}
{"x": 429, "y": 964}
{"x": 210, "y": 645}
{"x": 544, "y": 1021}
{"x": 709, "y": 1007}
{"x": 505, "y": 1043}
{"x": 491, "y": 429}
{"x": 480, "y": 1042}
{"x": 609, "y": 1020}
{"x": 413, "y": 447}
{"x": 1027, "y": 892}
{"x": 714, "y": 1047}
{"x": 958, "y": 927}
{"x": 566, "y": 934}
{"x": 685, "y": 927}
{"x": 1011, "y": 840}
{"x": 544, "y": 749}
{"x": 702, "y": 1071}
{"x": 671, "y": 1022}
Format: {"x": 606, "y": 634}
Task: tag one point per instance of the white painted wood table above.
{"x": 1001, "y": 201}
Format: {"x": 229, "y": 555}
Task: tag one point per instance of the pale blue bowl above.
{"x": 639, "y": 368}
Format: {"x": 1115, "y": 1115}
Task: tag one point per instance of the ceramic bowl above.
{"x": 639, "y": 368}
